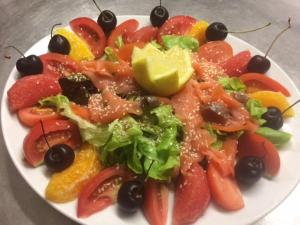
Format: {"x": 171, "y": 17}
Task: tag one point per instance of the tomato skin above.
{"x": 177, "y": 25}
{"x": 143, "y": 35}
{"x": 32, "y": 115}
{"x": 192, "y": 196}
{"x": 237, "y": 65}
{"x": 263, "y": 82}
{"x": 224, "y": 190}
{"x": 87, "y": 205}
{"x": 35, "y": 157}
{"x": 28, "y": 90}
{"x": 251, "y": 144}
{"x": 156, "y": 202}
{"x": 91, "y": 32}
{"x": 59, "y": 65}
{"x": 125, "y": 52}
{"x": 215, "y": 51}
{"x": 128, "y": 26}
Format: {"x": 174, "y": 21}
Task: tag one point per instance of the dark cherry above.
{"x": 131, "y": 196}
{"x": 59, "y": 157}
{"x": 107, "y": 20}
{"x": 258, "y": 64}
{"x": 249, "y": 169}
{"x": 29, "y": 65}
{"x": 216, "y": 31}
{"x": 59, "y": 44}
{"x": 273, "y": 118}
{"x": 158, "y": 16}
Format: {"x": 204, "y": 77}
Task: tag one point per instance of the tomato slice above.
{"x": 28, "y": 90}
{"x": 125, "y": 52}
{"x": 156, "y": 202}
{"x": 143, "y": 35}
{"x": 59, "y": 65}
{"x": 224, "y": 190}
{"x": 32, "y": 115}
{"x": 263, "y": 82}
{"x": 127, "y": 27}
{"x": 251, "y": 144}
{"x": 101, "y": 191}
{"x": 56, "y": 131}
{"x": 237, "y": 65}
{"x": 215, "y": 51}
{"x": 91, "y": 32}
{"x": 177, "y": 25}
{"x": 192, "y": 196}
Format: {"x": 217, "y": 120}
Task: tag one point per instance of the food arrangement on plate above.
{"x": 121, "y": 114}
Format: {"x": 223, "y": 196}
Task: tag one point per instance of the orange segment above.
{"x": 65, "y": 186}
{"x": 272, "y": 98}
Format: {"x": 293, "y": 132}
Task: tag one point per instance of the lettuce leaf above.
{"x": 141, "y": 142}
{"x": 96, "y": 135}
{"x": 185, "y": 42}
{"x": 232, "y": 84}
{"x": 256, "y": 110}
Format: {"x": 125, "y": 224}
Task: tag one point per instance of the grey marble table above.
{"x": 23, "y": 22}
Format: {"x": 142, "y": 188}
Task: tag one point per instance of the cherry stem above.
{"x": 159, "y": 3}
{"x": 57, "y": 24}
{"x": 97, "y": 6}
{"x": 278, "y": 35}
{"x": 292, "y": 105}
{"x": 21, "y": 53}
{"x": 248, "y": 31}
{"x": 44, "y": 135}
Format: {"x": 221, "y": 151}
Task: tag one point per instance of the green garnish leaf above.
{"x": 119, "y": 42}
{"x": 185, "y": 42}
{"x": 256, "y": 110}
{"x": 142, "y": 141}
{"x": 277, "y": 137}
{"x": 110, "y": 54}
{"x": 232, "y": 84}
{"x": 156, "y": 45}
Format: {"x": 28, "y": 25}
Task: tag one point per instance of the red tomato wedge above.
{"x": 263, "y": 82}
{"x": 59, "y": 65}
{"x": 125, "y": 52}
{"x": 156, "y": 202}
{"x": 224, "y": 190}
{"x": 101, "y": 191}
{"x": 143, "y": 35}
{"x": 191, "y": 197}
{"x": 127, "y": 27}
{"x": 251, "y": 144}
{"x": 237, "y": 65}
{"x": 32, "y": 115}
{"x": 91, "y": 32}
{"x": 56, "y": 131}
{"x": 215, "y": 51}
{"x": 177, "y": 25}
{"x": 28, "y": 90}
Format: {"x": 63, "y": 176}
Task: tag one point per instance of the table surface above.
{"x": 24, "y": 22}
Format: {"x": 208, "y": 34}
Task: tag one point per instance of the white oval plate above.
{"x": 259, "y": 200}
